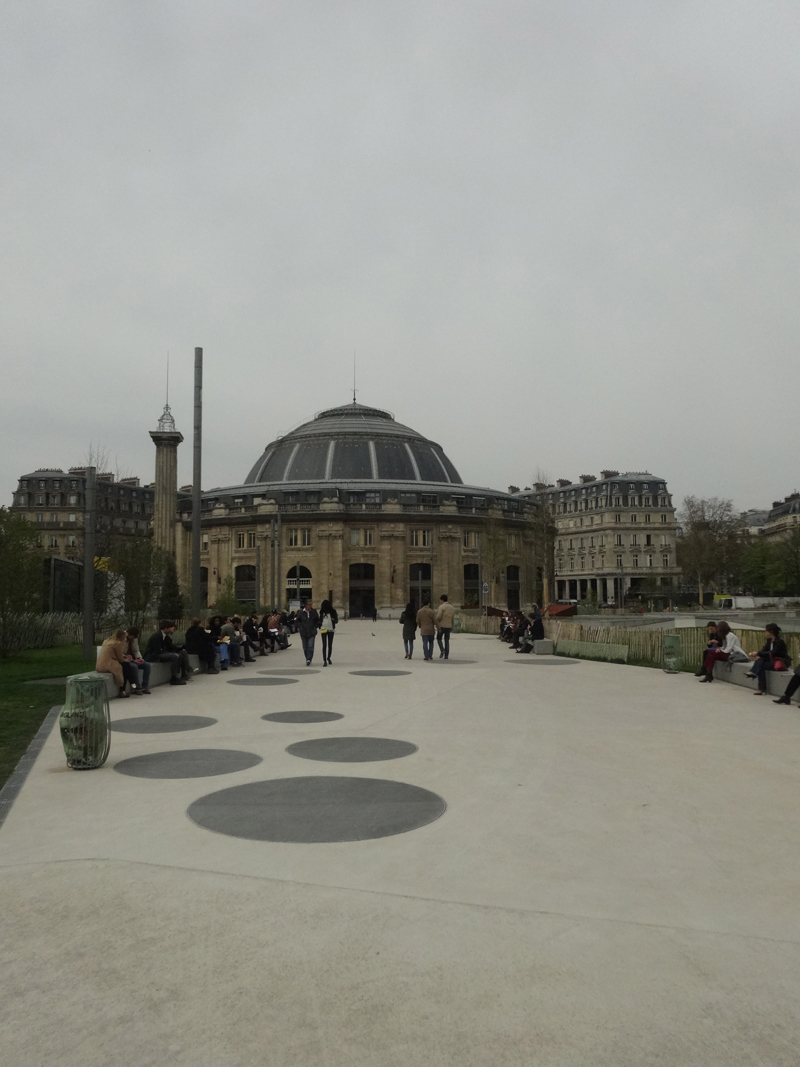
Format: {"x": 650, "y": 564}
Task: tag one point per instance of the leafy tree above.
{"x": 760, "y": 571}
{"x": 21, "y": 572}
{"x": 712, "y": 542}
{"x": 170, "y": 604}
{"x": 226, "y": 603}
{"x": 141, "y": 564}
{"x": 788, "y": 556}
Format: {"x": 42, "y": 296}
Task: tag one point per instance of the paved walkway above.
{"x": 614, "y": 880}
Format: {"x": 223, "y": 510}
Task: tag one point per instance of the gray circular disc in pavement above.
{"x": 540, "y": 662}
{"x": 379, "y": 674}
{"x": 261, "y": 681}
{"x": 162, "y": 724}
{"x": 302, "y": 716}
{"x": 187, "y": 763}
{"x": 298, "y": 670}
{"x": 351, "y": 749}
{"x": 316, "y": 809}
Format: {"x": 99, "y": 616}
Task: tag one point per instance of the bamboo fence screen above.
{"x": 645, "y": 646}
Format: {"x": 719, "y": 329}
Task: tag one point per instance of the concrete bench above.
{"x": 776, "y": 680}
{"x": 543, "y": 647}
{"x": 160, "y": 674}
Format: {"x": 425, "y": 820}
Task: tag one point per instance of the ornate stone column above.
{"x": 165, "y": 504}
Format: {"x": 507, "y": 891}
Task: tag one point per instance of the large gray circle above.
{"x": 261, "y": 681}
{"x": 316, "y": 809}
{"x": 531, "y": 658}
{"x": 379, "y": 674}
{"x": 187, "y": 763}
{"x": 162, "y": 724}
{"x": 302, "y": 716}
{"x": 351, "y": 749}
{"x": 297, "y": 670}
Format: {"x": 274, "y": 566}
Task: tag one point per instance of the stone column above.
{"x": 165, "y": 505}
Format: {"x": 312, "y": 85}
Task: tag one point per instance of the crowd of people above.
{"x": 724, "y": 646}
{"x": 520, "y": 630}
{"x": 220, "y": 642}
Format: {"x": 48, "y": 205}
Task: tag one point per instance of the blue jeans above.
{"x": 444, "y": 648}
{"x": 427, "y": 646}
{"x": 308, "y": 646}
{"x": 409, "y": 646}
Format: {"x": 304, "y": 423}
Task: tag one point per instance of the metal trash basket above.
{"x": 85, "y": 722}
{"x": 671, "y": 654}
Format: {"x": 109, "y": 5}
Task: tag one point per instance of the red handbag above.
{"x": 779, "y": 664}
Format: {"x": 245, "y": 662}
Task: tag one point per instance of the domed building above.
{"x": 355, "y": 506}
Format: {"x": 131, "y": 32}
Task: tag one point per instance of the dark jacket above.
{"x": 409, "y": 621}
{"x": 197, "y": 640}
{"x": 307, "y": 622}
{"x": 158, "y": 644}
{"x": 250, "y": 627}
{"x": 776, "y": 650}
{"x": 537, "y": 629}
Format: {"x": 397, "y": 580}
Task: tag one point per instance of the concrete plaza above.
{"x": 614, "y": 881}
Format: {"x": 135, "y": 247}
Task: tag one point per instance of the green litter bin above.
{"x": 671, "y": 654}
{"x": 85, "y": 722}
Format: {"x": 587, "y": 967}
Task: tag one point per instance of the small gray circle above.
{"x": 262, "y": 681}
{"x": 540, "y": 662}
{"x": 187, "y": 763}
{"x": 379, "y": 674}
{"x": 454, "y": 660}
{"x": 316, "y": 809}
{"x": 298, "y": 670}
{"x": 302, "y": 716}
{"x": 351, "y": 749}
{"x": 162, "y": 724}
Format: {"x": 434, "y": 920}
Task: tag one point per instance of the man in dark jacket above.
{"x": 307, "y": 626}
{"x": 160, "y": 649}
{"x": 199, "y": 642}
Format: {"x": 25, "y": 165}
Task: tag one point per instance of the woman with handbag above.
{"x": 774, "y": 656}
{"x": 328, "y": 618}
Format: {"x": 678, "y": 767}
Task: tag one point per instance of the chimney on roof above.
{"x": 540, "y": 485}
{"x": 588, "y": 478}
{"x": 562, "y": 482}
{"x": 130, "y": 481}
{"x": 609, "y": 474}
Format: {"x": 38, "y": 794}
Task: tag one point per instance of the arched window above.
{"x": 303, "y": 592}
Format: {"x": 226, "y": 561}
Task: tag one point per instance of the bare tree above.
{"x": 711, "y": 545}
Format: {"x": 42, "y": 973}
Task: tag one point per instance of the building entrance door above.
{"x": 362, "y": 590}
{"x": 419, "y": 583}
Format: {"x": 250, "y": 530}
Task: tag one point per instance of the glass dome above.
{"x": 353, "y": 443}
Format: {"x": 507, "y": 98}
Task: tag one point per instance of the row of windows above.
{"x": 601, "y": 564}
{"x": 300, "y": 537}
{"x": 613, "y": 501}
{"x": 601, "y": 541}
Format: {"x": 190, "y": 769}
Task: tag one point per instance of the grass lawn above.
{"x": 22, "y": 706}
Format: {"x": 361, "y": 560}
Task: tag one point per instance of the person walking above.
{"x": 408, "y": 620}
{"x": 328, "y": 620}
{"x": 426, "y": 620}
{"x": 445, "y": 618}
{"x": 307, "y": 625}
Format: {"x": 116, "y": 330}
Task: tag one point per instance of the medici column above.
{"x": 165, "y": 510}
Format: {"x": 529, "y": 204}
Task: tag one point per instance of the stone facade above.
{"x": 372, "y": 514}
{"x": 615, "y": 535}
{"x": 54, "y": 500}
{"x": 166, "y": 439}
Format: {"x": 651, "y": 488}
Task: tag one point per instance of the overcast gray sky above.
{"x": 559, "y": 235}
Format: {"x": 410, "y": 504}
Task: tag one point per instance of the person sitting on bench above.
{"x": 774, "y": 656}
{"x": 160, "y": 649}
{"x": 791, "y": 688}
